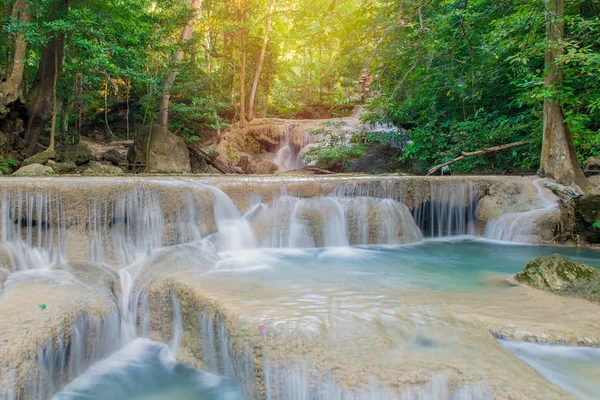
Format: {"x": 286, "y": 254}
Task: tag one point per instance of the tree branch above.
{"x": 464, "y": 155}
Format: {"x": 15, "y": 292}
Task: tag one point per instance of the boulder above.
{"x": 97, "y": 169}
{"x": 114, "y": 156}
{"x": 377, "y": 160}
{"x": 78, "y": 154}
{"x": 167, "y": 153}
{"x": 265, "y": 168}
{"x": 587, "y": 215}
{"x": 40, "y": 158}
{"x": 34, "y": 170}
{"x": 561, "y": 275}
{"x": 64, "y": 168}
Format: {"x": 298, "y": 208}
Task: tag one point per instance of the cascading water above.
{"x": 135, "y": 234}
{"x": 520, "y": 227}
{"x": 449, "y": 211}
{"x": 332, "y": 221}
{"x": 288, "y": 156}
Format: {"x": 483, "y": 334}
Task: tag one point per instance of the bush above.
{"x": 8, "y": 165}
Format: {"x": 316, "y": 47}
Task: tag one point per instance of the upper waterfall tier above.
{"x": 117, "y": 220}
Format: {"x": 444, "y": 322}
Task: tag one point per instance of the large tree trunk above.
{"x": 186, "y": 35}
{"x": 39, "y": 100}
{"x": 559, "y": 159}
{"x": 10, "y": 89}
{"x": 259, "y": 65}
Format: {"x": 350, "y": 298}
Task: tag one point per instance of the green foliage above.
{"x": 461, "y": 76}
{"x": 8, "y": 165}
{"x": 596, "y": 224}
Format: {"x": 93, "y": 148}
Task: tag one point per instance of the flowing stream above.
{"x": 329, "y": 296}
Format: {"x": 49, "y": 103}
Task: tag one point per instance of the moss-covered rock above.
{"x": 114, "y": 156}
{"x": 96, "y": 169}
{"x": 34, "y": 170}
{"x": 64, "y": 168}
{"x": 40, "y": 158}
{"x": 561, "y": 275}
{"x": 78, "y": 154}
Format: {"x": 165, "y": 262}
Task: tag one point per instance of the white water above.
{"x": 520, "y": 227}
{"x": 288, "y": 156}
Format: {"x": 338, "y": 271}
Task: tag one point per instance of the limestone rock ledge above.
{"x": 44, "y": 316}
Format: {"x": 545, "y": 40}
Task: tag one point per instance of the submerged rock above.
{"x": 561, "y": 275}
{"x": 96, "y": 169}
{"x": 34, "y": 170}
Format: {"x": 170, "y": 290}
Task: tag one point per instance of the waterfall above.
{"x": 234, "y": 232}
{"x": 450, "y": 210}
{"x": 61, "y": 360}
{"x": 520, "y": 227}
{"x": 219, "y": 356}
{"x": 126, "y": 230}
{"x": 332, "y": 221}
{"x": 288, "y": 156}
{"x": 176, "y": 325}
{"x": 294, "y": 381}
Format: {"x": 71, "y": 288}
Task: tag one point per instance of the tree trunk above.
{"x": 186, "y": 35}
{"x": 54, "y": 104}
{"x": 39, "y": 99}
{"x": 259, "y": 66}
{"x": 239, "y": 17}
{"x": 558, "y": 159}
{"x": 10, "y": 90}
{"x": 243, "y": 56}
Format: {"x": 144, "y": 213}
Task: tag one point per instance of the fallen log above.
{"x": 465, "y": 154}
{"x": 215, "y": 162}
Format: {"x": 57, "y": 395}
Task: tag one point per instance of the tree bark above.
{"x": 243, "y": 56}
{"x": 186, "y": 35}
{"x": 54, "y": 104}
{"x": 39, "y": 99}
{"x": 259, "y": 65}
{"x": 558, "y": 159}
{"x": 10, "y": 90}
